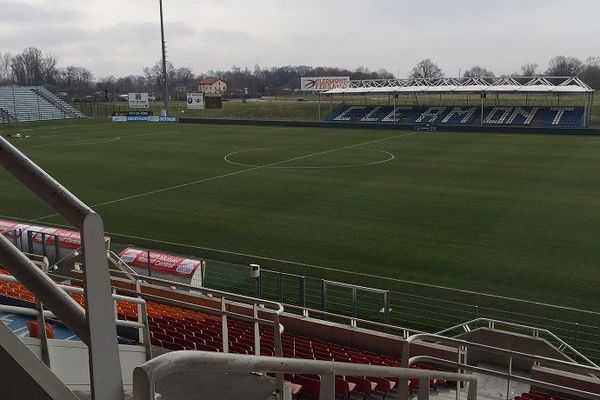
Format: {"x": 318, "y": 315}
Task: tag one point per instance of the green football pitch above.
{"x": 510, "y": 214}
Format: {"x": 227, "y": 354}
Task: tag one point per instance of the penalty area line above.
{"x": 203, "y": 180}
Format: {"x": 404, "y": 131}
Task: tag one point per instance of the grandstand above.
{"x": 33, "y": 103}
{"x": 517, "y": 102}
{"x": 120, "y": 318}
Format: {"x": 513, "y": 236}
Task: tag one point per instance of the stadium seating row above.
{"x": 33, "y": 103}
{"x": 175, "y": 328}
{"x": 547, "y": 117}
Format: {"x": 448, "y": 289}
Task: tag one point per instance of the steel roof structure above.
{"x": 525, "y": 85}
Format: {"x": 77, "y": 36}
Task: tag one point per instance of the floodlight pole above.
{"x": 164, "y": 61}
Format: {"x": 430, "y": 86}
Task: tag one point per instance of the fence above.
{"x": 414, "y": 305}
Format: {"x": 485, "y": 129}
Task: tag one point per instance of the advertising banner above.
{"x": 195, "y": 101}
{"x": 138, "y": 100}
{"x": 319, "y": 84}
{"x": 160, "y": 262}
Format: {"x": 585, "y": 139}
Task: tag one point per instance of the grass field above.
{"x": 516, "y": 215}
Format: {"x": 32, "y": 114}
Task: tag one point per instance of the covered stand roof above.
{"x": 539, "y": 85}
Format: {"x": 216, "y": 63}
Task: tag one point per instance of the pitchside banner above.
{"x": 195, "y": 101}
{"x": 138, "y": 100}
{"x": 318, "y": 84}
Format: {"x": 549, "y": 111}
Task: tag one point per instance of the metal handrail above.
{"x": 141, "y": 324}
{"x": 509, "y": 376}
{"x": 258, "y": 306}
{"x": 354, "y": 322}
{"x": 146, "y": 374}
{"x": 491, "y": 323}
{"x": 95, "y": 327}
{"x": 497, "y": 350}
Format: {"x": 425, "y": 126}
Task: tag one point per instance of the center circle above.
{"x": 356, "y": 158}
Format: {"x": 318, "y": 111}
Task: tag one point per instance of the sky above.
{"x": 121, "y": 37}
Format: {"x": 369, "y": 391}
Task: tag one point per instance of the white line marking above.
{"x": 77, "y": 143}
{"x": 165, "y": 189}
{"x": 390, "y": 158}
{"x": 97, "y": 140}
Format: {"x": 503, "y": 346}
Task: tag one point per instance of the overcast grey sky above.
{"x": 121, "y": 37}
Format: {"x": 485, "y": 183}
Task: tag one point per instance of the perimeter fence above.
{"x": 413, "y": 305}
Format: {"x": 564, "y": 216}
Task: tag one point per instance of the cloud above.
{"x": 120, "y": 38}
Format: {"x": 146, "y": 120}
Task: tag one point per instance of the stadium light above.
{"x": 164, "y": 61}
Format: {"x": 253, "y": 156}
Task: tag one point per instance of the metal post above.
{"x": 323, "y": 295}
{"x": 164, "y": 60}
{"x": 41, "y": 320}
{"x": 280, "y": 286}
{"x": 327, "y": 391}
{"x": 354, "y": 302}
{"x": 386, "y": 310}
{"x": 403, "y": 391}
{"x": 105, "y": 367}
{"x": 256, "y": 330}
{"x": 302, "y": 291}
{"x": 319, "y": 106}
{"x": 395, "y": 97}
{"x": 510, "y": 361}
{"x": 224, "y": 327}
{"x": 482, "y": 98}
{"x": 148, "y": 263}
{"x": 576, "y": 335}
{"x": 423, "y": 389}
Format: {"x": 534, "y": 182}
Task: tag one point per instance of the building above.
{"x": 212, "y": 86}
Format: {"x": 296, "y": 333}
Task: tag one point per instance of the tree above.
{"x": 426, "y": 69}
{"x": 154, "y": 76}
{"x": 478, "y": 72}
{"x": 564, "y": 66}
{"x": 74, "y": 80}
{"x": 529, "y": 69}
{"x": 31, "y": 67}
{"x": 5, "y": 71}
{"x": 590, "y": 72}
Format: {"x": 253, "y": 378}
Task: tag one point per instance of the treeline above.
{"x": 33, "y": 67}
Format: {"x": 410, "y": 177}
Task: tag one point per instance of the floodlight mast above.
{"x": 164, "y": 62}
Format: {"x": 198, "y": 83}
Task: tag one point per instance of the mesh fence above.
{"x": 412, "y": 305}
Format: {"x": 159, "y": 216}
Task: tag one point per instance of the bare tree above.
{"x": 478, "y": 72}
{"x": 426, "y": 69}
{"x": 564, "y": 66}
{"x": 75, "y": 80}
{"x": 5, "y": 71}
{"x": 31, "y": 67}
{"x": 529, "y": 69}
{"x": 154, "y": 75}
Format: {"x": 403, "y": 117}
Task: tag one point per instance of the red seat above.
{"x": 363, "y": 385}
{"x": 310, "y": 387}
{"x": 173, "y": 346}
{"x": 343, "y": 388}
{"x": 383, "y": 385}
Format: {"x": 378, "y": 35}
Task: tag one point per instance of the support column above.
{"x": 105, "y": 367}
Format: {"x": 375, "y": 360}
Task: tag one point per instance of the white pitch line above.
{"x": 97, "y": 140}
{"x": 390, "y": 158}
{"x": 78, "y": 143}
{"x": 196, "y": 182}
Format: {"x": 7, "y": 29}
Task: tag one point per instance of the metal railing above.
{"x": 141, "y": 324}
{"x": 353, "y": 322}
{"x": 94, "y": 325}
{"x": 534, "y": 332}
{"x": 145, "y": 376}
{"x": 509, "y": 356}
